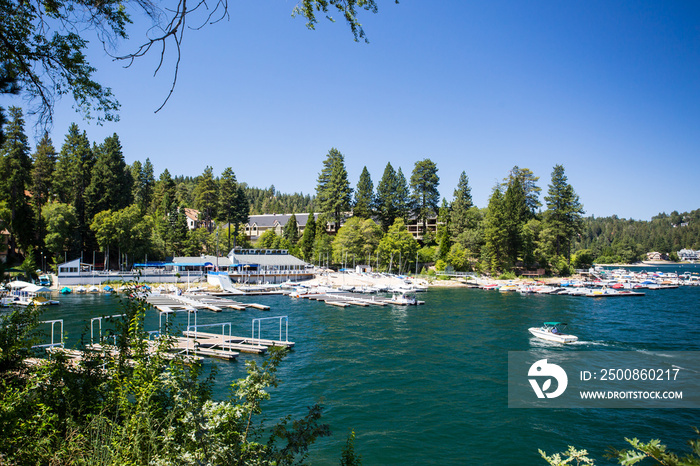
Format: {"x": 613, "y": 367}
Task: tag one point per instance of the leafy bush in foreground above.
{"x": 137, "y": 406}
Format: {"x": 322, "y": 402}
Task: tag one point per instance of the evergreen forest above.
{"x": 80, "y": 198}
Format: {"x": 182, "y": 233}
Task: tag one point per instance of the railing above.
{"x": 259, "y": 320}
{"x": 53, "y": 333}
{"x": 223, "y": 331}
{"x": 99, "y": 319}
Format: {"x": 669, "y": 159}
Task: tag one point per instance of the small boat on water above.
{"x": 551, "y": 331}
{"x": 404, "y": 299}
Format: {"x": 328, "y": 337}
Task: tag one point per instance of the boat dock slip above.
{"x": 224, "y": 342}
{"x": 191, "y": 302}
{"x": 346, "y": 299}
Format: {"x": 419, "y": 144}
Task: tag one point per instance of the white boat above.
{"x": 403, "y": 299}
{"x": 551, "y": 331}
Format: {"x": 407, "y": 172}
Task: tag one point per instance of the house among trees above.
{"x": 259, "y": 224}
{"x": 656, "y": 256}
{"x": 689, "y": 255}
{"x": 192, "y": 216}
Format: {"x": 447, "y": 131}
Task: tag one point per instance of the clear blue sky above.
{"x": 609, "y": 89}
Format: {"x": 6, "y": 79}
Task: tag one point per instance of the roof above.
{"x": 267, "y": 260}
{"x": 270, "y": 220}
{"x": 192, "y": 214}
{"x": 201, "y": 261}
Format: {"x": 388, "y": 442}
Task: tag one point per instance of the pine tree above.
{"x": 143, "y": 184}
{"x": 306, "y": 244}
{"x": 425, "y": 195}
{"x": 403, "y": 197}
{"x": 459, "y": 215}
{"x": 563, "y": 217}
{"x": 206, "y": 197}
{"x": 163, "y": 194}
{"x": 516, "y": 214}
{"x": 333, "y": 191}
{"x": 42, "y": 172}
{"x": 386, "y": 204}
{"x": 110, "y": 181}
{"x": 291, "y": 230}
{"x": 364, "y": 196}
{"x": 528, "y": 183}
{"x": 72, "y": 176}
{"x": 494, "y": 233}
{"x": 15, "y": 167}
{"x": 233, "y": 205}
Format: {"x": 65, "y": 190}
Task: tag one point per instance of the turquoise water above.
{"x": 428, "y": 384}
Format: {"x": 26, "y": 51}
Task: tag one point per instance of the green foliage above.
{"x": 364, "y": 196}
{"x": 458, "y": 258}
{"x": 426, "y": 254}
{"x": 654, "y": 451}
{"x": 392, "y": 197}
{"x": 110, "y": 181}
{"x": 462, "y": 203}
{"x": 582, "y": 259}
{"x": 397, "y": 248}
{"x": 291, "y": 230}
{"x": 424, "y": 186}
{"x": 18, "y": 332}
{"x": 440, "y": 265}
{"x": 61, "y": 221}
{"x": 206, "y": 198}
{"x": 138, "y": 405}
{"x": 348, "y": 456}
{"x": 306, "y": 244}
{"x": 573, "y": 457}
{"x": 333, "y": 192}
{"x": 563, "y": 217}
{"x": 16, "y": 166}
{"x": 266, "y": 240}
{"x": 357, "y": 239}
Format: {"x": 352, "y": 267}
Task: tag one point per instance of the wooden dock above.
{"x": 242, "y": 344}
{"x": 192, "y": 302}
{"x": 350, "y": 299}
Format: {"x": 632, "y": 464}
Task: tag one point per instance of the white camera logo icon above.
{"x": 543, "y": 369}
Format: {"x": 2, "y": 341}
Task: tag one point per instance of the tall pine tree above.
{"x": 425, "y": 196}
{"x": 459, "y": 215}
{"x": 72, "y": 176}
{"x": 364, "y": 196}
{"x": 15, "y": 167}
{"x": 42, "y": 172}
{"x": 110, "y": 181}
{"x": 333, "y": 191}
{"x": 564, "y": 215}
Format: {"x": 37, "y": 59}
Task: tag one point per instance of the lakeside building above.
{"x": 258, "y": 266}
{"x": 259, "y": 224}
{"x": 689, "y": 255}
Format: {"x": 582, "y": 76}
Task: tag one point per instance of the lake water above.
{"x": 428, "y": 384}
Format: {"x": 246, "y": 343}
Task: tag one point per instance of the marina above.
{"x": 374, "y": 358}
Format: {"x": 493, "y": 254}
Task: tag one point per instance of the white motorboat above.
{"x": 551, "y": 331}
{"x": 404, "y": 299}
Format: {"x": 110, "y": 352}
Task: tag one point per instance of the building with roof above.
{"x": 259, "y": 224}
{"x": 266, "y": 266}
{"x": 192, "y": 217}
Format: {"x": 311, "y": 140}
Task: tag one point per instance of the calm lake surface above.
{"x": 428, "y": 384}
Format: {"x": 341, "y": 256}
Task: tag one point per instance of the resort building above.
{"x": 689, "y": 255}
{"x": 259, "y": 224}
{"x": 266, "y": 266}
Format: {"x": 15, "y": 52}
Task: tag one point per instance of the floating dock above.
{"x": 192, "y": 302}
